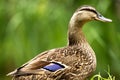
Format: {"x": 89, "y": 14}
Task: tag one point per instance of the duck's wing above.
{"x": 38, "y": 65}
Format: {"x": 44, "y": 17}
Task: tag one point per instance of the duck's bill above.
{"x": 102, "y": 18}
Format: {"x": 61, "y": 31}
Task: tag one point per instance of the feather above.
{"x": 53, "y": 66}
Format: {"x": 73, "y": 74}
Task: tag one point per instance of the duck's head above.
{"x": 88, "y": 13}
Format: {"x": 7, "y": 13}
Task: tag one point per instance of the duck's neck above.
{"x": 75, "y": 34}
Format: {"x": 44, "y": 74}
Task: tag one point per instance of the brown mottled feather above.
{"x": 75, "y": 65}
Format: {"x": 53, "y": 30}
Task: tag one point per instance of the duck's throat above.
{"x": 75, "y": 35}
{"x": 76, "y": 38}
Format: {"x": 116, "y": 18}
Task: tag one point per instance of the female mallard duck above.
{"x": 76, "y": 61}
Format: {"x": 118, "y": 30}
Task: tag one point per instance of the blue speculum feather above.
{"x": 53, "y": 66}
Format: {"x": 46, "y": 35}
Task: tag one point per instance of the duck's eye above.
{"x": 100, "y": 15}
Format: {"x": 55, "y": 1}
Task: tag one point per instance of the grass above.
{"x": 99, "y": 77}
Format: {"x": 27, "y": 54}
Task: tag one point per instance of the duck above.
{"x": 75, "y": 61}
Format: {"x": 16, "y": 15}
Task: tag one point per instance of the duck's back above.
{"x": 69, "y": 63}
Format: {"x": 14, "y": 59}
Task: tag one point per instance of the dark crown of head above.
{"x": 87, "y": 8}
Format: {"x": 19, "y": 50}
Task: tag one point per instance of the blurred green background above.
{"x": 28, "y": 27}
